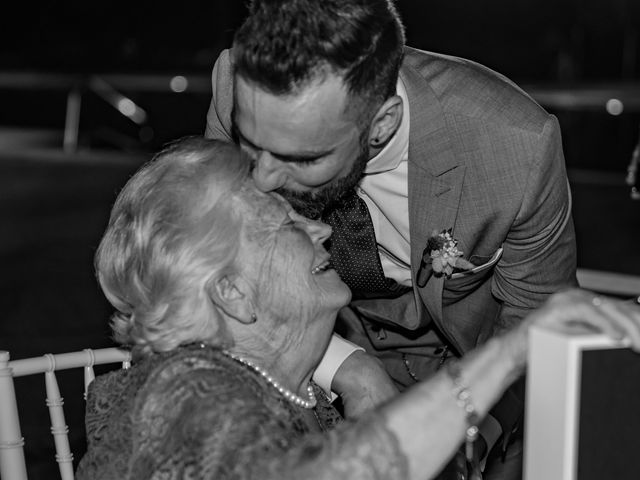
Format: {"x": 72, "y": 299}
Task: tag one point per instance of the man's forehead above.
{"x": 313, "y": 119}
{"x": 319, "y": 100}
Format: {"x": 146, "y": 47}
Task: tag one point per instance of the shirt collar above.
{"x": 397, "y": 149}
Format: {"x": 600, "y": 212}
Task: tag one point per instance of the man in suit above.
{"x": 327, "y": 100}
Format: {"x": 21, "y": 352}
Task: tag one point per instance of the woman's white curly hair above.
{"x": 172, "y": 230}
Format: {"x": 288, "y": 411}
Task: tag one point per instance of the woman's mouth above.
{"x": 322, "y": 267}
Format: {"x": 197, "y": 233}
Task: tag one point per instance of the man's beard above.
{"x": 314, "y": 204}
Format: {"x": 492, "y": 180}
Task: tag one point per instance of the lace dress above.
{"x": 196, "y": 414}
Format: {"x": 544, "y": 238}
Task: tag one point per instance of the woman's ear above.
{"x": 233, "y": 295}
{"x": 386, "y": 122}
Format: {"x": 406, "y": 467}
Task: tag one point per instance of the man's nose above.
{"x": 268, "y": 172}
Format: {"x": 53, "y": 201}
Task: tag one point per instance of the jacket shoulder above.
{"x": 467, "y": 88}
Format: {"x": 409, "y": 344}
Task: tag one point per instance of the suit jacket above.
{"x": 486, "y": 161}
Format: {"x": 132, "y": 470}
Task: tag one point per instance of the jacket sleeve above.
{"x": 219, "y": 114}
{"x": 540, "y": 250}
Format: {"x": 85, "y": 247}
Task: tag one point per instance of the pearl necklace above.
{"x": 286, "y": 393}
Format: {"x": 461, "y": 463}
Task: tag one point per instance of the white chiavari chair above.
{"x": 12, "y": 460}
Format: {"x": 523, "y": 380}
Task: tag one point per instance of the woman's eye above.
{"x": 305, "y": 161}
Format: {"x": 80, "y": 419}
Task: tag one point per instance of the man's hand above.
{"x": 362, "y": 383}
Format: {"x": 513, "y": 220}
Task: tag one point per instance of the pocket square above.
{"x": 480, "y": 268}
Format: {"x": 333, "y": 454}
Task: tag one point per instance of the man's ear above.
{"x": 386, "y": 122}
{"x": 233, "y": 295}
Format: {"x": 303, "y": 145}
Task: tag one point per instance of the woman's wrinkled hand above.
{"x": 577, "y": 310}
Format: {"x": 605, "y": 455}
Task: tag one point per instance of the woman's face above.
{"x": 281, "y": 254}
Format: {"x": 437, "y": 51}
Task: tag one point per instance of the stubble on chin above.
{"x": 313, "y": 204}
{"x": 305, "y": 203}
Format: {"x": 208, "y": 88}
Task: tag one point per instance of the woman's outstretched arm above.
{"x": 428, "y": 423}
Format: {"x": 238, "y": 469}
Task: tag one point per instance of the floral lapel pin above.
{"x": 441, "y": 257}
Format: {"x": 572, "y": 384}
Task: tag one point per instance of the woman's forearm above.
{"x": 428, "y": 421}
{"x": 414, "y": 435}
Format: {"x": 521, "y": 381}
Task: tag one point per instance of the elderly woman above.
{"x": 228, "y": 301}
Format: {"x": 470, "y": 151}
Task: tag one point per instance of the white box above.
{"x": 582, "y": 419}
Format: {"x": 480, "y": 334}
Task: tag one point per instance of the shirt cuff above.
{"x": 337, "y": 352}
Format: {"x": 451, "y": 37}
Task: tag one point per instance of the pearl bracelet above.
{"x": 463, "y": 398}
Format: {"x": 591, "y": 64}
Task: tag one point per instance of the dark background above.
{"x": 571, "y": 55}
{"x": 533, "y": 40}
{"x": 568, "y": 45}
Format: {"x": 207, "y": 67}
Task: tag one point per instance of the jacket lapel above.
{"x": 435, "y": 182}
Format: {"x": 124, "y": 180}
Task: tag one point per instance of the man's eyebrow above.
{"x": 303, "y": 156}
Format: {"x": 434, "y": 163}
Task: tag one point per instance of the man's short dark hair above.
{"x": 285, "y": 44}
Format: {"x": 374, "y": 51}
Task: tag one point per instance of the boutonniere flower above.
{"x": 441, "y": 257}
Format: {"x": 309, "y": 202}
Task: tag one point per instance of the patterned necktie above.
{"x": 354, "y": 251}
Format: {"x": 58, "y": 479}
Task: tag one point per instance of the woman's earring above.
{"x": 254, "y": 318}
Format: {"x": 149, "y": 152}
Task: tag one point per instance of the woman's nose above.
{"x": 318, "y": 231}
{"x": 268, "y": 172}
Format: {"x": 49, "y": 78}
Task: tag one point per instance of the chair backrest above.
{"x": 12, "y": 462}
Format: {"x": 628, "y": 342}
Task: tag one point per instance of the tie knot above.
{"x": 354, "y": 250}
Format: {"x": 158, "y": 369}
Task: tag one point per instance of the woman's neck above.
{"x": 289, "y": 358}
{"x": 286, "y": 366}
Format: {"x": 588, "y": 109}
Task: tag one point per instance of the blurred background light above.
{"x": 179, "y": 84}
{"x": 614, "y": 106}
{"x": 126, "y": 107}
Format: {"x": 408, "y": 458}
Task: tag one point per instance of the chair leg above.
{"x": 12, "y": 462}
{"x": 59, "y": 428}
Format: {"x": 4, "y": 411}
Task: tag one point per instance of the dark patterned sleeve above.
{"x": 202, "y": 423}
{"x": 357, "y": 451}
